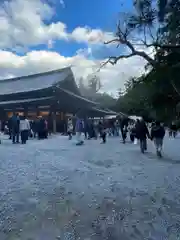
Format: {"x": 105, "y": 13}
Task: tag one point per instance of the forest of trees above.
{"x": 90, "y": 88}
{"x": 154, "y": 27}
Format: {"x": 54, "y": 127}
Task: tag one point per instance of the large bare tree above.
{"x": 140, "y": 31}
{"x": 146, "y": 33}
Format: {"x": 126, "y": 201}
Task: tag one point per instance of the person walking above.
{"x": 15, "y": 122}
{"x": 124, "y": 126}
{"x": 79, "y": 130}
{"x": 117, "y": 127}
{"x": 157, "y": 134}
{"x": 142, "y": 133}
{"x": 45, "y": 129}
{"x": 24, "y": 129}
{"x": 102, "y": 131}
{"x": 90, "y": 129}
{"x": 41, "y": 128}
{"x": 86, "y": 127}
{"x": 173, "y": 129}
{"x": 70, "y": 128}
{"x": 34, "y": 127}
{"x": 132, "y": 132}
{"x": 9, "y": 124}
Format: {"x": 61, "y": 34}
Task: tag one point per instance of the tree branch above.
{"x": 167, "y": 46}
{"x": 113, "y": 60}
{"x": 174, "y": 87}
{"x": 116, "y": 40}
{"x": 122, "y": 38}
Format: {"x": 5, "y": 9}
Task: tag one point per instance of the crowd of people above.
{"x": 91, "y": 128}
{"x": 138, "y": 131}
{"x": 21, "y": 129}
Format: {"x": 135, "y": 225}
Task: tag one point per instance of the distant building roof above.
{"x": 40, "y": 81}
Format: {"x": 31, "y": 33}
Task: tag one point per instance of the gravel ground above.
{"x": 52, "y": 189}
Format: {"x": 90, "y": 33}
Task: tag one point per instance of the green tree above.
{"x": 158, "y": 26}
{"x": 94, "y": 83}
{"x": 90, "y": 88}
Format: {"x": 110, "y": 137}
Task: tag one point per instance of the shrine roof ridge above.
{"x": 35, "y": 75}
{"x": 38, "y": 81}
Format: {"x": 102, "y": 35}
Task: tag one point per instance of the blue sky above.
{"x": 96, "y": 14}
{"x": 41, "y": 35}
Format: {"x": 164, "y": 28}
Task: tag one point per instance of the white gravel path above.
{"x": 52, "y": 189}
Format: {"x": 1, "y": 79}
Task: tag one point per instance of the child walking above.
{"x": 157, "y": 134}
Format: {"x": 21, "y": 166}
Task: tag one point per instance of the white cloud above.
{"x": 22, "y": 24}
{"x": 85, "y": 34}
{"x": 113, "y": 77}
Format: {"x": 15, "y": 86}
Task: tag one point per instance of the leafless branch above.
{"x": 115, "y": 40}
{"x": 124, "y": 41}
{"x": 123, "y": 37}
{"x": 113, "y": 60}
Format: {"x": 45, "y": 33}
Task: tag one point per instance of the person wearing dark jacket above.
{"x": 41, "y": 126}
{"x": 157, "y": 134}
{"x": 123, "y": 127}
{"x": 132, "y": 132}
{"x": 102, "y": 131}
{"x": 34, "y": 127}
{"x": 15, "y": 122}
{"x": 142, "y": 133}
{"x": 10, "y": 128}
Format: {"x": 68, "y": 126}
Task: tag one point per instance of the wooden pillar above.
{"x": 54, "y": 122}
{"x": 53, "y": 117}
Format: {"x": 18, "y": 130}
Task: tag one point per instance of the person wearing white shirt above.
{"x": 24, "y": 129}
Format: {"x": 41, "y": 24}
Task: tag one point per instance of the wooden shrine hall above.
{"x": 52, "y": 94}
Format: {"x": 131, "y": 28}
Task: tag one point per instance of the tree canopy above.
{"x": 90, "y": 88}
{"x": 151, "y": 31}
